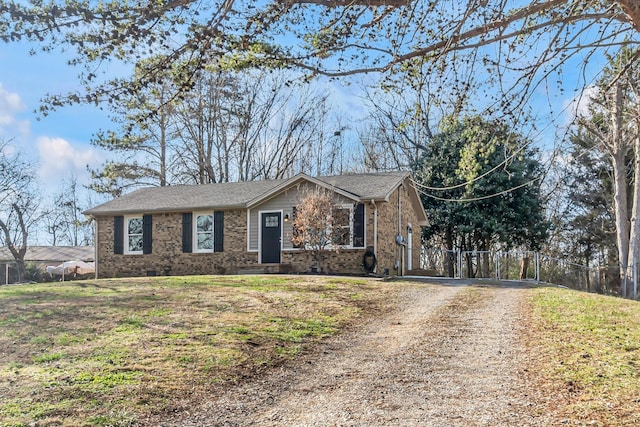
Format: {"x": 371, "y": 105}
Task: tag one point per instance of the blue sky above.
{"x": 60, "y": 141}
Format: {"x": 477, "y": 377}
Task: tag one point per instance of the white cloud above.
{"x": 10, "y": 105}
{"x": 59, "y": 160}
{"x": 579, "y": 104}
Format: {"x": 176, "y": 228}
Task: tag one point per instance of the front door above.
{"x": 271, "y": 237}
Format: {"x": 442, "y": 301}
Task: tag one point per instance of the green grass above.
{"x": 107, "y": 352}
{"x": 590, "y": 345}
{"x": 48, "y": 357}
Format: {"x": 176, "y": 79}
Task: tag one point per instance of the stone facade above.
{"x": 389, "y": 219}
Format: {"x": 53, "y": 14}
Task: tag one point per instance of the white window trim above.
{"x": 249, "y": 227}
{"x": 194, "y": 231}
{"x": 127, "y": 251}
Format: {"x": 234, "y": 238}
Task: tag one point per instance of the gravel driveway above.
{"x": 449, "y": 356}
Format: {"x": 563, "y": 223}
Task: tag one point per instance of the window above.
{"x": 133, "y": 235}
{"x": 203, "y": 232}
{"x": 342, "y": 227}
{"x": 348, "y": 228}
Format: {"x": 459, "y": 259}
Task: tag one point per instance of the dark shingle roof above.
{"x": 239, "y": 194}
{"x": 181, "y": 197}
{"x": 369, "y": 185}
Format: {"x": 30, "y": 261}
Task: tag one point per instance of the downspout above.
{"x": 409, "y": 247}
{"x": 402, "y": 247}
{"x": 375, "y": 228}
{"x": 95, "y": 248}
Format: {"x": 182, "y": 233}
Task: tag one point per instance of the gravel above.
{"x": 450, "y": 355}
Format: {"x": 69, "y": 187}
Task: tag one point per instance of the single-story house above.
{"x": 231, "y": 228}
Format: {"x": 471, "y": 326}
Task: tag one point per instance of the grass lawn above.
{"x": 107, "y": 352}
{"x": 587, "y": 351}
{"x": 104, "y": 352}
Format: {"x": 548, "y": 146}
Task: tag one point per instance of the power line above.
{"x": 453, "y": 187}
{"x": 475, "y": 199}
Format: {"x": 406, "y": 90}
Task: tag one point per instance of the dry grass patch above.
{"x": 108, "y": 352}
{"x": 586, "y": 349}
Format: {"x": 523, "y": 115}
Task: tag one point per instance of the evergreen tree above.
{"x": 481, "y": 188}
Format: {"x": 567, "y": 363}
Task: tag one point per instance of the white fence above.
{"x": 518, "y": 265}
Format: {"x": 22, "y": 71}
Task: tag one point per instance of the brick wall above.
{"x": 167, "y": 257}
{"x": 389, "y": 252}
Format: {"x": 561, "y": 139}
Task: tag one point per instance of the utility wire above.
{"x": 453, "y": 187}
{"x": 475, "y": 199}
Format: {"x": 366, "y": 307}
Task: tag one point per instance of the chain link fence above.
{"x": 518, "y": 265}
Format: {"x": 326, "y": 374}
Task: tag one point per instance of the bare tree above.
{"x": 317, "y": 224}
{"x": 296, "y": 118}
{"x": 613, "y": 120}
{"x": 518, "y": 45}
{"x": 246, "y": 126}
{"x": 64, "y": 220}
{"x": 18, "y": 204}
{"x": 402, "y": 119}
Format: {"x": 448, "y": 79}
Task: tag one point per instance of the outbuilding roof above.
{"x": 51, "y": 253}
{"x": 234, "y": 195}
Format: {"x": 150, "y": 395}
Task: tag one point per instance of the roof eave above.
{"x": 94, "y": 213}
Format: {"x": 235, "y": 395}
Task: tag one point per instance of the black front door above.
{"x": 271, "y": 237}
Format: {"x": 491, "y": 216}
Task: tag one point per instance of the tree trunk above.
{"x": 449, "y": 259}
{"x": 524, "y": 266}
{"x": 21, "y": 269}
{"x": 634, "y": 244}
{"x": 618, "y": 151}
{"x": 632, "y": 9}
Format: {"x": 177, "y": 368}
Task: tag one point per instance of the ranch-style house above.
{"x": 234, "y": 228}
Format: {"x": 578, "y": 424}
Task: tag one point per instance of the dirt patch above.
{"x": 447, "y": 355}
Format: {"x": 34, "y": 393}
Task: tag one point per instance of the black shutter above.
{"x": 118, "y": 235}
{"x": 218, "y": 231}
{"x": 147, "y": 234}
{"x": 358, "y": 226}
{"x": 187, "y": 232}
